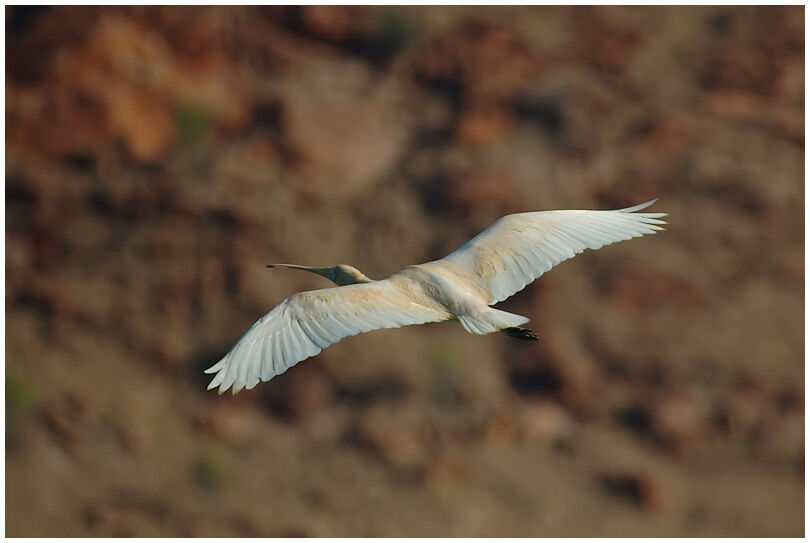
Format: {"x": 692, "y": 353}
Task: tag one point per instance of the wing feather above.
{"x": 303, "y": 324}
{"x": 517, "y": 249}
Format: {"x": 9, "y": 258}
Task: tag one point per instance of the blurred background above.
{"x": 158, "y": 157}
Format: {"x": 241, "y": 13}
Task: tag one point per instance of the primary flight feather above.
{"x": 514, "y": 251}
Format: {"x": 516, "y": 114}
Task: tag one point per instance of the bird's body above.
{"x": 462, "y": 286}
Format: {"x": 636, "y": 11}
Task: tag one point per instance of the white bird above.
{"x": 514, "y": 251}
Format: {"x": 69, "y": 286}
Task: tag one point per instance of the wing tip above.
{"x": 221, "y": 388}
{"x": 639, "y": 207}
{"x": 216, "y": 367}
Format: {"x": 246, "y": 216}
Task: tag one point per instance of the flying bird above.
{"x": 514, "y": 251}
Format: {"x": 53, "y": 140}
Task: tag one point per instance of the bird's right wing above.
{"x": 306, "y": 322}
{"x": 517, "y": 249}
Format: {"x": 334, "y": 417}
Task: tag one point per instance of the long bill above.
{"x": 320, "y": 271}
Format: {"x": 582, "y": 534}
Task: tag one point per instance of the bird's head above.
{"x": 341, "y": 275}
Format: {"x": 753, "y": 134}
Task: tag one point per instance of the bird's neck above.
{"x": 354, "y": 279}
{"x": 364, "y": 279}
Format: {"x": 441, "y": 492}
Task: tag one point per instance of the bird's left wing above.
{"x": 517, "y": 249}
{"x": 306, "y": 322}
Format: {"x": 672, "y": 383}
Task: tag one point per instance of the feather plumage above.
{"x": 498, "y": 262}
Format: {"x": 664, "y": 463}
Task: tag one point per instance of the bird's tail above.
{"x": 492, "y": 320}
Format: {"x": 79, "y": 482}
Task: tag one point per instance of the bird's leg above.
{"x": 521, "y": 333}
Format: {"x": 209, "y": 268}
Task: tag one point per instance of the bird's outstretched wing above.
{"x": 306, "y": 322}
{"x": 517, "y": 249}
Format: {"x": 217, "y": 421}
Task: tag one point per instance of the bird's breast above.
{"x": 443, "y": 285}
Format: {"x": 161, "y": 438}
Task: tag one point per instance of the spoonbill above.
{"x": 514, "y": 251}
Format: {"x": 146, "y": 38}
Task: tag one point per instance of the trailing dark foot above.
{"x": 522, "y": 333}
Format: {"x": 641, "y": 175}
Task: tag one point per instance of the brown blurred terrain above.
{"x": 157, "y": 158}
